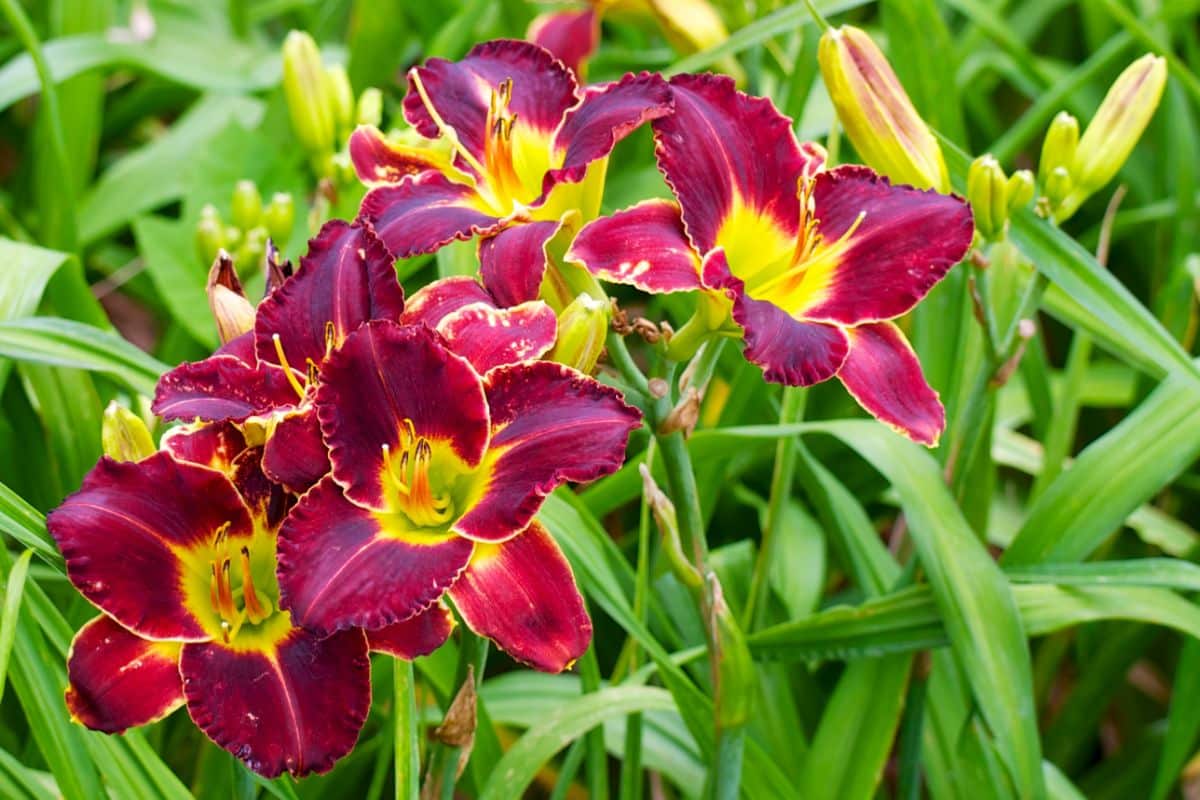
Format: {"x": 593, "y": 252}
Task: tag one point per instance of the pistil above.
{"x": 287, "y": 368}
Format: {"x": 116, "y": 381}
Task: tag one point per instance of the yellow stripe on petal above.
{"x": 755, "y": 246}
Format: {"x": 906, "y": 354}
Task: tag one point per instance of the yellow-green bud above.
{"x": 582, "y": 328}
{"x": 342, "y": 98}
{"x": 124, "y": 435}
{"x": 1119, "y": 122}
{"x": 1058, "y": 148}
{"x": 1057, "y": 187}
{"x": 735, "y": 667}
{"x": 254, "y": 247}
{"x": 987, "y": 191}
{"x": 247, "y": 205}
{"x": 279, "y": 217}
{"x": 878, "y": 116}
{"x": 210, "y": 234}
{"x": 1021, "y": 189}
{"x": 370, "y": 107}
{"x": 307, "y": 89}
{"x": 227, "y": 300}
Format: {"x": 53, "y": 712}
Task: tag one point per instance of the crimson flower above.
{"x": 178, "y": 553}
{"x": 437, "y": 474}
{"x": 815, "y": 262}
{"x": 529, "y": 151}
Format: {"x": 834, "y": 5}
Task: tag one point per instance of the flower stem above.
{"x": 407, "y": 758}
{"x": 792, "y": 410}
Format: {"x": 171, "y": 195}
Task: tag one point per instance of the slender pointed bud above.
{"x": 1058, "y": 148}
{"x": 987, "y": 191}
{"x": 582, "y": 328}
{"x": 227, "y": 300}
{"x": 877, "y": 114}
{"x": 307, "y": 89}
{"x": 370, "y": 107}
{"x": 210, "y": 234}
{"x": 280, "y": 216}
{"x": 668, "y": 524}
{"x": 1057, "y": 187}
{"x": 1021, "y": 189}
{"x": 279, "y": 269}
{"x": 1119, "y": 122}
{"x": 342, "y": 98}
{"x": 247, "y": 205}
{"x": 124, "y": 435}
{"x": 734, "y": 671}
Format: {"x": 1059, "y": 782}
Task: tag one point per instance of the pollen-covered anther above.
{"x": 412, "y": 492}
{"x": 330, "y": 337}
{"x": 257, "y": 608}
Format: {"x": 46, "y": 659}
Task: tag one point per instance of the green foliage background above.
{"x": 1009, "y": 615}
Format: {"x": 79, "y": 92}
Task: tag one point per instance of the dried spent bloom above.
{"x": 812, "y": 263}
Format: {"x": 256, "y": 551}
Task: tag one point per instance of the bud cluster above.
{"x": 250, "y": 225}
{"x": 993, "y": 195}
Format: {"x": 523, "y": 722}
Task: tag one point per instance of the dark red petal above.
{"x": 644, "y": 246}
{"x": 266, "y": 499}
{"x": 906, "y": 242}
{"x": 296, "y": 707}
{"x": 376, "y": 160}
{"x": 209, "y": 444}
{"x": 295, "y": 455}
{"x": 118, "y": 680}
{"x": 720, "y": 149}
{"x": 489, "y": 337}
{"x": 346, "y": 278}
{"x": 608, "y": 113}
{"x": 435, "y": 301}
{"x": 522, "y": 595}
{"x": 542, "y": 90}
{"x": 550, "y": 425}
{"x": 424, "y": 213}
{"x": 571, "y": 36}
{"x": 343, "y": 566}
{"x": 883, "y": 374}
{"x": 222, "y": 388}
{"x": 514, "y": 261}
{"x": 122, "y": 533}
{"x": 240, "y": 347}
{"x": 416, "y": 636}
{"x": 384, "y": 374}
{"x": 789, "y": 351}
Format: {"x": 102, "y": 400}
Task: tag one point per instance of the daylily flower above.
{"x": 266, "y": 375}
{"x": 815, "y": 262}
{"x": 179, "y": 556}
{"x": 529, "y": 155}
{"x": 437, "y": 475}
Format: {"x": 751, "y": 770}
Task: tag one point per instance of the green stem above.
{"x": 792, "y": 410}
{"x": 60, "y": 225}
{"x": 597, "y": 755}
{"x": 618, "y": 355}
{"x": 407, "y": 757}
{"x": 724, "y": 781}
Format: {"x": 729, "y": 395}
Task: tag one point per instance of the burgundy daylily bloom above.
{"x": 346, "y": 278}
{"x": 529, "y": 152}
{"x": 814, "y": 262}
{"x": 178, "y": 553}
{"x": 437, "y": 475}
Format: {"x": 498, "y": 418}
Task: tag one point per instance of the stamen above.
{"x": 811, "y": 253}
{"x": 411, "y": 431}
{"x": 330, "y": 338}
{"x": 255, "y": 610}
{"x": 225, "y": 630}
{"x": 287, "y": 368}
{"x": 225, "y": 604}
{"x": 212, "y": 585}
{"x": 313, "y": 372}
{"x": 443, "y": 128}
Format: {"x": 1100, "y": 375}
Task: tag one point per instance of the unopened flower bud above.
{"x": 124, "y": 435}
{"x": 370, "y": 107}
{"x": 1119, "y": 122}
{"x": 1021, "y": 189}
{"x": 307, "y": 90}
{"x": 210, "y": 234}
{"x": 279, "y": 217}
{"x": 227, "y": 300}
{"x": 987, "y": 191}
{"x": 668, "y": 524}
{"x": 1058, "y": 148}
{"x": 342, "y": 98}
{"x": 1058, "y": 186}
{"x": 582, "y": 328}
{"x": 735, "y": 675}
{"x": 878, "y": 116}
{"x": 254, "y": 246}
{"x": 247, "y": 205}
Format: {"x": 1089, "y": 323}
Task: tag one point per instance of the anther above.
{"x": 330, "y": 337}
{"x": 255, "y": 610}
{"x": 225, "y": 605}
